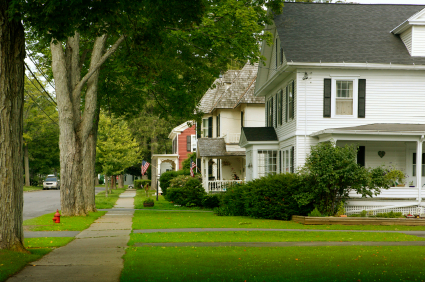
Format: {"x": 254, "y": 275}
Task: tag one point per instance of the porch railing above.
{"x": 395, "y": 192}
{"x": 221, "y": 185}
{"x": 232, "y": 138}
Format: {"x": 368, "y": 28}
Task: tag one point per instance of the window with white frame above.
{"x": 288, "y": 160}
{"x": 205, "y": 127}
{"x": 414, "y": 165}
{"x": 267, "y": 162}
{"x": 345, "y": 96}
{"x": 194, "y": 142}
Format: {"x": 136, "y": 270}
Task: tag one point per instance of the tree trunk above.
{"x": 106, "y": 186}
{"x": 121, "y": 181}
{"x": 75, "y": 128}
{"x": 27, "y": 166}
{"x": 89, "y": 172}
{"x": 12, "y": 54}
{"x": 113, "y": 181}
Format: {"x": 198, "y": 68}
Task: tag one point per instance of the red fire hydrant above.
{"x": 57, "y": 217}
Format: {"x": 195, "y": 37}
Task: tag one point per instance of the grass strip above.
{"x": 68, "y": 223}
{"x": 267, "y": 236}
{"x": 32, "y": 188}
{"x": 351, "y": 263}
{"x": 161, "y": 204}
{"x": 103, "y": 202}
{"x": 175, "y": 219}
{"x": 11, "y": 262}
{"x": 47, "y": 242}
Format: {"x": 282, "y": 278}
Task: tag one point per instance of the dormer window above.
{"x": 412, "y": 33}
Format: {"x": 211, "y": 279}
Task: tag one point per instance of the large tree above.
{"x": 12, "y": 54}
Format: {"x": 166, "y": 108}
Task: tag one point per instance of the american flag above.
{"x": 145, "y": 166}
{"x": 192, "y": 166}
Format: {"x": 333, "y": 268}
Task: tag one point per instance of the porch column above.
{"x": 419, "y": 168}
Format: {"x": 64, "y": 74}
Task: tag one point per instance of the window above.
{"x": 290, "y": 102}
{"x": 175, "y": 145}
{"x": 205, "y": 127}
{"x": 189, "y": 143}
{"x": 414, "y": 164}
{"x": 218, "y": 126}
{"x": 288, "y": 160}
{"x": 270, "y": 112}
{"x": 267, "y": 162}
{"x": 344, "y": 98}
{"x": 279, "y": 106}
{"x": 193, "y": 142}
{"x": 275, "y": 111}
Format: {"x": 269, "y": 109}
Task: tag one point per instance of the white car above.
{"x": 51, "y": 183}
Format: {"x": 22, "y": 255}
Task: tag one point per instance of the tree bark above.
{"x": 12, "y": 54}
{"x": 77, "y": 137}
{"x": 121, "y": 181}
{"x": 27, "y": 166}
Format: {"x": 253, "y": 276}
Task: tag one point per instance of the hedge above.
{"x": 139, "y": 182}
{"x": 167, "y": 176}
{"x": 185, "y": 190}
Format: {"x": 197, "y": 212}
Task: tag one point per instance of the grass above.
{"x": 161, "y": 204}
{"x": 32, "y": 188}
{"x": 68, "y": 223}
{"x": 103, "y": 202}
{"x": 267, "y": 236}
{"x": 351, "y": 263}
{"x": 12, "y": 262}
{"x": 175, "y": 219}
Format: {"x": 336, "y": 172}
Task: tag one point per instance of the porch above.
{"x": 394, "y": 146}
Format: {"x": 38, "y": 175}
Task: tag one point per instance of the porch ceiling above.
{"x": 376, "y": 129}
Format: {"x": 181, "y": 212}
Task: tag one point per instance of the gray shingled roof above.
{"x": 215, "y": 147}
{"x": 210, "y": 98}
{"x": 259, "y": 133}
{"x": 241, "y": 84}
{"x": 336, "y": 33}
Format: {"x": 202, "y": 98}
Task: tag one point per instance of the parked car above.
{"x": 51, "y": 183}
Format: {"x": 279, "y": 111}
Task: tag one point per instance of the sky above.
{"x": 417, "y": 2}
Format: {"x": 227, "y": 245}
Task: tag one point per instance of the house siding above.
{"x": 418, "y": 38}
{"x": 392, "y": 96}
{"x": 406, "y": 36}
{"x": 182, "y": 144}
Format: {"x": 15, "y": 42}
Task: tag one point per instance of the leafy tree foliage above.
{"x": 116, "y": 148}
{"x": 332, "y": 172}
{"x": 41, "y": 130}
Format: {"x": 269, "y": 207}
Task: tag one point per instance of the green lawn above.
{"x": 68, "y": 223}
{"x": 175, "y": 219}
{"x": 32, "y": 188}
{"x": 351, "y": 263}
{"x": 161, "y": 204}
{"x": 12, "y": 262}
{"x": 103, "y": 202}
{"x": 267, "y": 236}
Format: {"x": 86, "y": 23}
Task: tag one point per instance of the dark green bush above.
{"x": 272, "y": 197}
{"x": 167, "y": 176}
{"x": 315, "y": 213}
{"x": 139, "y": 182}
{"x": 234, "y": 199}
{"x": 211, "y": 201}
{"x": 185, "y": 190}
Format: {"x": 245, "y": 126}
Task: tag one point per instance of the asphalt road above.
{"x": 37, "y": 203}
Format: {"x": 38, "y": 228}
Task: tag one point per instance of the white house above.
{"x": 227, "y": 106}
{"x": 348, "y": 72}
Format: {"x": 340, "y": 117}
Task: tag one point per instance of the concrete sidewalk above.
{"x": 95, "y": 254}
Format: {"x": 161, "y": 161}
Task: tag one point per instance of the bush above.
{"x": 272, "y": 197}
{"x": 185, "y": 190}
{"x": 233, "y": 200}
{"x": 363, "y": 213}
{"x": 211, "y": 201}
{"x": 139, "y": 182}
{"x": 315, "y": 213}
{"x": 167, "y": 176}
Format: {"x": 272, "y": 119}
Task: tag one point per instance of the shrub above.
{"x": 222, "y": 211}
{"x": 139, "y": 182}
{"x": 390, "y": 214}
{"x": 148, "y": 201}
{"x": 233, "y": 200}
{"x": 363, "y": 213}
{"x": 185, "y": 190}
{"x": 167, "y": 176}
{"x": 315, "y": 213}
{"x": 211, "y": 201}
{"x": 333, "y": 171}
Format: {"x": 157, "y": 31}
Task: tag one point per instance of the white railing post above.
{"x": 419, "y": 168}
